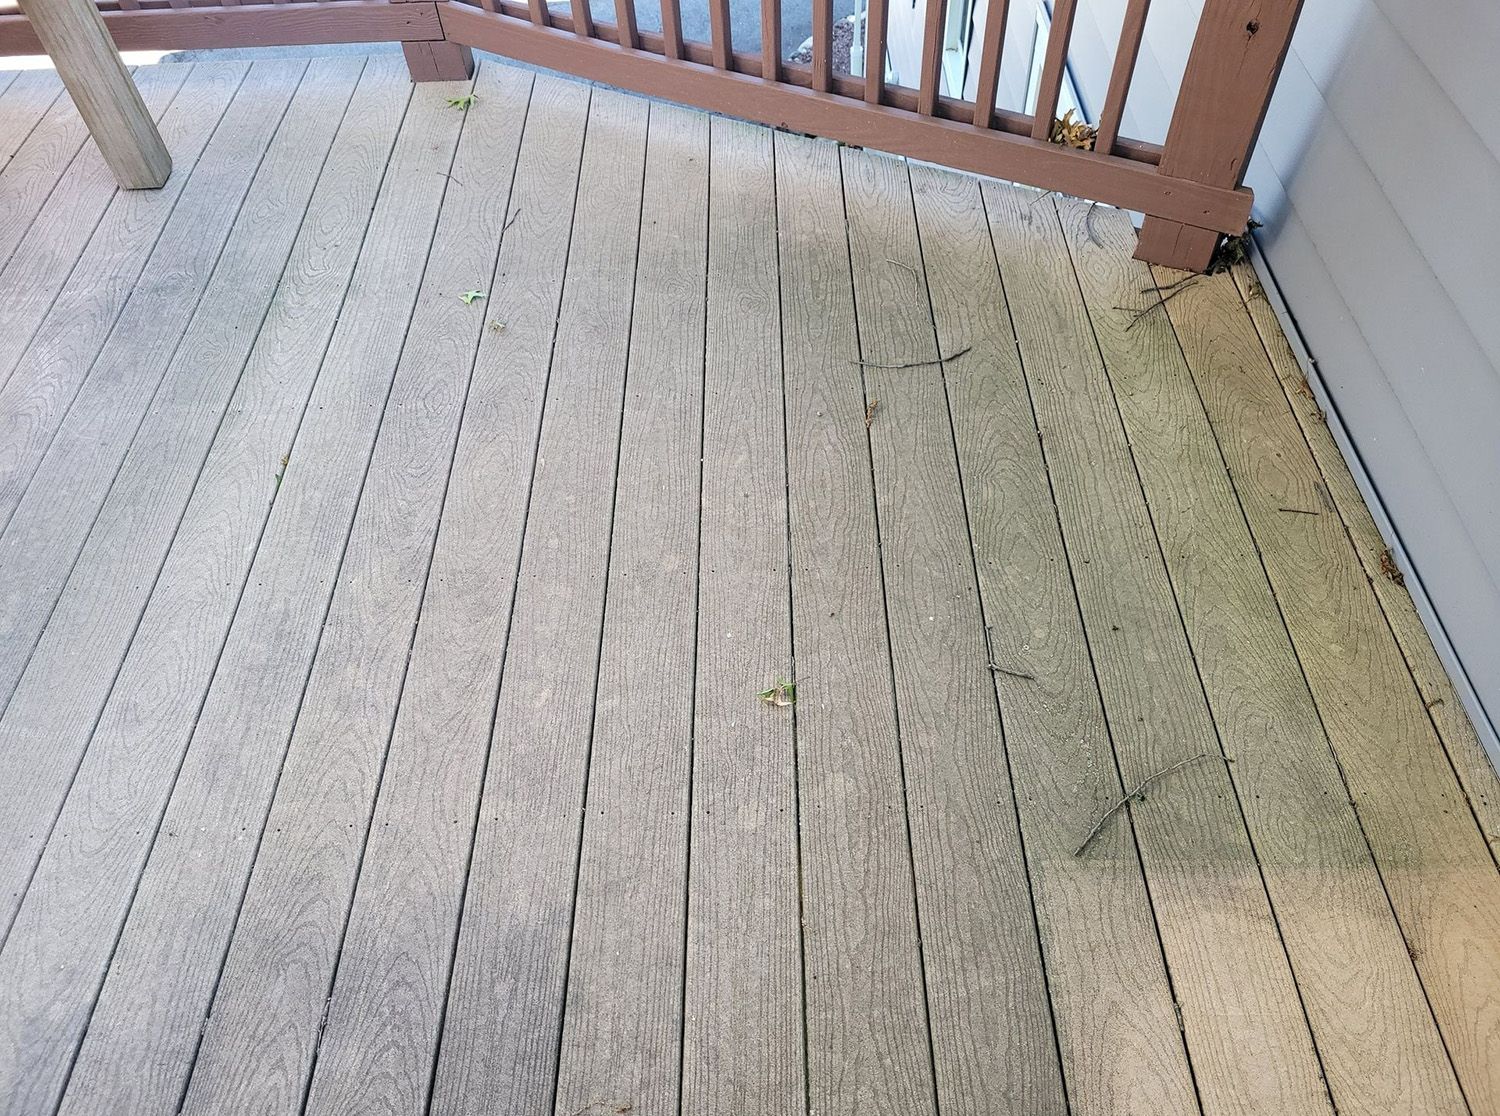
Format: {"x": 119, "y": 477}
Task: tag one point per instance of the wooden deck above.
{"x": 380, "y": 667}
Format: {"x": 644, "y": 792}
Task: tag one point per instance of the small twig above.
{"x": 1141, "y": 312}
{"x": 905, "y": 267}
{"x": 448, "y": 176}
{"x": 1088, "y": 226}
{"x": 870, "y": 412}
{"x": 1042, "y": 196}
{"x": 989, "y": 655}
{"x": 514, "y": 217}
{"x": 914, "y": 363}
{"x": 1135, "y": 794}
{"x": 1299, "y": 511}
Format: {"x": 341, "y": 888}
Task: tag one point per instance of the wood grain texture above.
{"x": 623, "y": 1016}
{"x": 27, "y": 97}
{"x": 89, "y": 63}
{"x": 505, "y": 1013}
{"x": 991, "y": 1027}
{"x": 270, "y": 1002}
{"x": 742, "y": 1011}
{"x": 135, "y": 528}
{"x": 1244, "y": 1026}
{"x": 1439, "y": 871}
{"x": 1116, "y": 1022}
{"x": 164, "y": 966}
{"x": 64, "y": 291}
{"x": 38, "y": 164}
{"x": 867, "y": 1028}
{"x": 1475, "y": 772}
{"x": 1376, "y": 1041}
{"x": 97, "y": 614}
{"x": 48, "y": 522}
{"x": 40, "y": 254}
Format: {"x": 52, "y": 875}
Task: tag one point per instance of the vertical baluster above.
{"x": 625, "y": 19}
{"x": 671, "y": 28}
{"x": 770, "y": 39}
{"x": 932, "y": 58}
{"x": 1131, "y": 31}
{"x": 1053, "y": 68}
{"x": 875, "y": 51}
{"x": 822, "y": 36}
{"x": 989, "y": 62}
{"x": 539, "y": 14}
{"x": 583, "y": 19}
{"x": 719, "y": 33}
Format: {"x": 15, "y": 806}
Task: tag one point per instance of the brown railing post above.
{"x": 1231, "y": 72}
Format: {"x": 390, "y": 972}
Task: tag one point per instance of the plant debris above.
{"x": 1232, "y": 250}
{"x": 914, "y": 363}
{"x": 1088, "y": 226}
{"x": 1068, "y": 132}
{"x": 468, "y": 298}
{"x": 286, "y": 457}
{"x": 1164, "y": 296}
{"x": 1300, "y": 511}
{"x": 1137, "y": 794}
{"x": 989, "y": 655}
{"x": 780, "y": 695}
{"x": 870, "y": 412}
{"x": 514, "y": 217}
{"x": 1390, "y": 569}
{"x": 466, "y": 102}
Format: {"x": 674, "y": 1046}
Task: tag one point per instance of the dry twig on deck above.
{"x": 989, "y": 654}
{"x": 870, "y": 412}
{"x": 1171, "y": 292}
{"x": 914, "y": 363}
{"x": 1135, "y": 794}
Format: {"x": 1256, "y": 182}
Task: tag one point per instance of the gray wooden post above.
{"x": 74, "y": 35}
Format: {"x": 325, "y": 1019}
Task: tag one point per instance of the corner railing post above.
{"x": 1231, "y": 73}
{"x": 437, "y": 59}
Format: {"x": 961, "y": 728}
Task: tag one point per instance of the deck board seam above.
{"x": 890, "y": 655}
{"x": 588, "y": 757}
{"x": 980, "y": 608}
{"x": 457, "y": 937}
{"x": 1088, "y": 643}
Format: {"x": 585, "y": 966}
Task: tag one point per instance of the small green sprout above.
{"x": 470, "y": 297}
{"x": 466, "y": 102}
{"x": 780, "y": 695}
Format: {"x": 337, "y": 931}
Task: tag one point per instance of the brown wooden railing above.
{"x": 1189, "y": 188}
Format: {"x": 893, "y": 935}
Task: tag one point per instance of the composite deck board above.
{"x": 394, "y": 743}
{"x": 128, "y": 517}
{"x": 1112, "y": 1006}
{"x": 742, "y": 997}
{"x": 63, "y": 303}
{"x": 270, "y": 643}
{"x": 510, "y": 968}
{"x": 165, "y": 968}
{"x": 292, "y": 920}
{"x": 991, "y": 1025}
{"x": 1376, "y": 1041}
{"x": 39, "y": 254}
{"x": 1436, "y": 863}
{"x": 1245, "y": 1028}
{"x": 1475, "y": 771}
{"x": 621, "y": 1041}
{"x": 135, "y": 527}
{"x": 27, "y": 97}
{"x": 868, "y": 1043}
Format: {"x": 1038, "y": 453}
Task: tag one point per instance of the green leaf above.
{"x": 466, "y": 102}
{"x": 471, "y": 297}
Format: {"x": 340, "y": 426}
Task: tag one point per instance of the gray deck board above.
{"x": 868, "y": 1045}
{"x": 742, "y": 1040}
{"x": 510, "y": 968}
{"x": 385, "y": 733}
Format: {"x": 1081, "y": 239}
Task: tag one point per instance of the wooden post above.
{"x": 73, "y": 34}
{"x": 1231, "y": 72}
{"x": 438, "y": 60}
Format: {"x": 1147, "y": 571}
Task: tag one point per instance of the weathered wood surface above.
{"x": 385, "y": 733}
